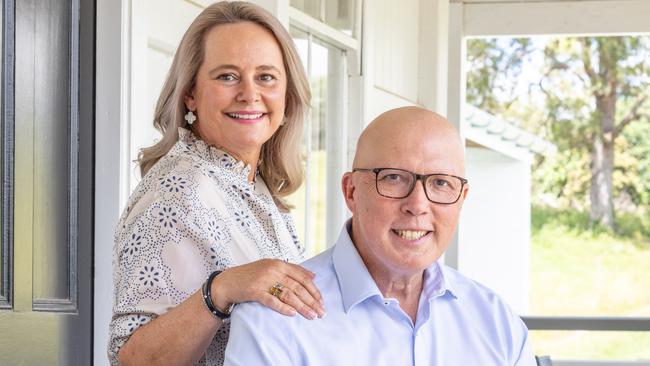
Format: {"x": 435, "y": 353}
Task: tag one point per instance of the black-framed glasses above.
{"x": 399, "y": 183}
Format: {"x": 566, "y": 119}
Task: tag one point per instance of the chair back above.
{"x": 543, "y": 361}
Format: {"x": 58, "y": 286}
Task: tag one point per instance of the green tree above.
{"x": 593, "y": 89}
{"x": 602, "y": 83}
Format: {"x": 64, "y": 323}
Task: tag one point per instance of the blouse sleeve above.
{"x": 162, "y": 251}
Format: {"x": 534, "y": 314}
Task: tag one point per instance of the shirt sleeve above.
{"x": 259, "y": 336}
{"x": 526, "y": 357}
{"x": 161, "y": 254}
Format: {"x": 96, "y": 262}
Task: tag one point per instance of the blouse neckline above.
{"x": 213, "y": 154}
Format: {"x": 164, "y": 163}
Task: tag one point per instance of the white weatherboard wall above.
{"x": 156, "y": 30}
{"x": 494, "y": 236}
{"x": 405, "y": 52}
{"x": 391, "y": 50}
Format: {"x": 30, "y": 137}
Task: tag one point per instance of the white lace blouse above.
{"x": 193, "y": 213}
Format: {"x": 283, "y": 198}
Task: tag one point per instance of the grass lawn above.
{"x": 576, "y": 271}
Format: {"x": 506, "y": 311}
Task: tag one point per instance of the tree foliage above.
{"x": 589, "y": 96}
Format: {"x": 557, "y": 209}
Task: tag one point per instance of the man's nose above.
{"x": 248, "y": 91}
{"x": 417, "y": 202}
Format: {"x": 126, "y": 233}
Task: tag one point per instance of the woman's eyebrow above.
{"x": 236, "y": 68}
{"x": 269, "y": 68}
{"x": 223, "y": 67}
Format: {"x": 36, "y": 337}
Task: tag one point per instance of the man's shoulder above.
{"x": 320, "y": 263}
{"x": 469, "y": 290}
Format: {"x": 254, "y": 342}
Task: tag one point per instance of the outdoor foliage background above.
{"x": 580, "y": 265}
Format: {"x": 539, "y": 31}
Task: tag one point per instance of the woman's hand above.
{"x": 253, "y": 282}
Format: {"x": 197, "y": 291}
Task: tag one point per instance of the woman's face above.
{"x": 239, "y": 94}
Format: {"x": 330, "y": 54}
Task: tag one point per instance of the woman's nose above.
{"x": 248, "y": 91}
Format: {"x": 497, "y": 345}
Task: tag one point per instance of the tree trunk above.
{"x": 602, "y": 164}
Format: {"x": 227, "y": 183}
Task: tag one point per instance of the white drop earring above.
{"x": 190, "y": 117}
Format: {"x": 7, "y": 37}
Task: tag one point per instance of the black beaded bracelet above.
{"x": 207, "y": 298}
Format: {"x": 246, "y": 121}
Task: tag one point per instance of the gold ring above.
{"x": 276, "y": 290}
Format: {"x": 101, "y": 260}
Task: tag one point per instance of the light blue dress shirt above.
{"x": 459, "y": 323}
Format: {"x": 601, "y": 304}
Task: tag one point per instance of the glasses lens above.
{"x": 394, "y": 183}
{"x": 443, "y": 188}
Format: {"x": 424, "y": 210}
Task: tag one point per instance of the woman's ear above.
{"x": 190, "y": 102}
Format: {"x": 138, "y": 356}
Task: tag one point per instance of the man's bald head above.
{"x": 409, "y": 130}
{"x": 403, "y": 236}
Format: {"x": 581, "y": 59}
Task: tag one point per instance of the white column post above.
{"x": 109, "y": 153}
{"x": 455, "y": 96}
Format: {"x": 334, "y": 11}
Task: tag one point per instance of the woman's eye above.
{"x": 267, "y": 77}
{"x": 227, "y": 77}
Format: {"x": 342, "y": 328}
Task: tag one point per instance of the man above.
{"x": 388, "y": 300}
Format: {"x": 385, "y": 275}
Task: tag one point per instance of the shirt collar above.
{"x": 436, "y": 282}
{"x": 356, "y": 283}
{"x": 189, "y": 142}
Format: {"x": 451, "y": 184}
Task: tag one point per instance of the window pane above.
{"x": 325, "y": 64}
{"x": 317, "y": 164}
{"x": 311, "y": 7}
{"x": 590, "y": 345}
{"x": 298, "y": 198}
{"x": 339, "y": 14}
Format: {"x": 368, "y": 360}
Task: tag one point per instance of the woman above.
{"x": 212, "y": 195}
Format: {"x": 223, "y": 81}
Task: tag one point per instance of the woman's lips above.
{"x": 246, "y": 117}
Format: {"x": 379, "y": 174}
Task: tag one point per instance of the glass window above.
{"x": 324, "y": 63}
{"x": 339, "y": 14}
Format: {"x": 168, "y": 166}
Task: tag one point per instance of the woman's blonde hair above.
{"x": 281, "y": 166}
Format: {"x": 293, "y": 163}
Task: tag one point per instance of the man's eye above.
{"x": 392, "y": 178}
{"x": 441, "y": 183}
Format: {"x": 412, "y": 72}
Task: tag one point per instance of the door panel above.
{"x": 52, "y": 92}
{"x": 47, "y": 182}
{"x": 6, "y": 147}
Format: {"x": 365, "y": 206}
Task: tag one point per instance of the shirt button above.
{"x": 386, "y": 302}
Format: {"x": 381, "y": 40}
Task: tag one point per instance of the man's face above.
{"x": 403, "y": 236}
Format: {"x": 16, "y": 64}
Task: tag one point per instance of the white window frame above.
{"x": 484, "y": 18}
{"x": 350, "y": 118}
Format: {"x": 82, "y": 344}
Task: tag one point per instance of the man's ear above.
{"x": 465, "y": 191}
{"x": 347, "y": 185}
{"x": 463, "y": 194}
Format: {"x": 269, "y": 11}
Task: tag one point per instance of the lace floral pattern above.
{"x": 193, "y": 213}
